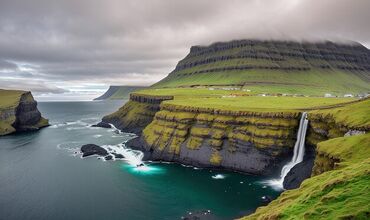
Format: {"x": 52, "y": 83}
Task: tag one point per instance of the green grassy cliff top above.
{"x": 9, "y": 98}
{"x": 239, "y": 100}
{"x": 342, "y": 193}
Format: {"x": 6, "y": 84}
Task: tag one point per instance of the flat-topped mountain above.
{"x": 278, "y": 66}
{"x": 18, "y": 112}
{"x": 119, "y": 92}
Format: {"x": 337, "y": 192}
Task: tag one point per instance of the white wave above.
{"x": 132, "y": 157}
{"x": 75, "y": 128}
{"x": 58, "y": 125}
{"x": 115, "y": 129}
{"x": 97, "y": 136}
{"x": 218, "y": 176}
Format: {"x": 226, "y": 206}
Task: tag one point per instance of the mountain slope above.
{"x": 119, "y": 92}
{"x": 275, "y": 66}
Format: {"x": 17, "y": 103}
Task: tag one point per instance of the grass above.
{"x": 342, "y": 193}
{"x": 240, "y": 100}
{"x": 9, "y": 98}
{"x": 259, "y": 103}
{"x": 353, "y": 115}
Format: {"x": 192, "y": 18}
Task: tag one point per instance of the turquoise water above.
{"x": 42, "y": 177}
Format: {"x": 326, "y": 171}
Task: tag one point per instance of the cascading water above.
{"x": 298, "y": 152}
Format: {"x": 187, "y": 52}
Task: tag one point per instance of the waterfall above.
{"x": 298, "y": 152}
{"x": 298, "y": 147}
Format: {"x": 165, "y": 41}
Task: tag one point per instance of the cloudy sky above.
{"x": 75, "y": 49}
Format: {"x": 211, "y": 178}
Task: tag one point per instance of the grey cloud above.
{"x": 7, "y": 66}
{"x": 70, "y": 42}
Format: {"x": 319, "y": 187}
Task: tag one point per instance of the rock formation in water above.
{"x": 18, "y": 112}
{"x": 93, "y": 149}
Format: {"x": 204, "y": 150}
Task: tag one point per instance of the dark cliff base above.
{"x": 151, "y": 155}
{"x": 300, "y": 171}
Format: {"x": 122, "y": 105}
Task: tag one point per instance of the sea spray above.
{"x": 298, "y": 153}
{"x": 115, "y": 129}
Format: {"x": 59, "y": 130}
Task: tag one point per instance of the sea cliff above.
{"x": 18, "y": 112}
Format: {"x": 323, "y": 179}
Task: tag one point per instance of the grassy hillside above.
{"x": 354, "y": 115}
{"x": 119, "y": 92}
{"x": 342, "y": 193}
{"x": 275, "y": 67}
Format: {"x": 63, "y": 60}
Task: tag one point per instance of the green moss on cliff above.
{"x": 215, "y": 158}
{"x": 6, "y": 128}
{"x": 342, "y": 193}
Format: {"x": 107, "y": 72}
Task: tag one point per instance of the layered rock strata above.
{"x": 21, "y": 116}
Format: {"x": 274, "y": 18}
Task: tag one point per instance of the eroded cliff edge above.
{"x": 18, "y": 112}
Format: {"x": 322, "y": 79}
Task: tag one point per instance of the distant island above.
{"x": 119, "y": 92}
{"x": 18, "y": 112}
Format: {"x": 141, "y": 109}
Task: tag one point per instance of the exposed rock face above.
{"x": 300, "y": 171}
{"x": 102, "y": 125}
{"x": 252, "y": 142}
{"x": 136, "y": 114}
{"x": 23, "y": 116}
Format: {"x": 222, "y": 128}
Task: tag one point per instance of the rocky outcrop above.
{"x": 137, "y": 113}
{"x": 92, "y": 149}
{"x": 21, "y": 115}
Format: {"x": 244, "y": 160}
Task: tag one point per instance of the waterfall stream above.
{"x": 298, "y": 147}
{"x": 298, "y": 152}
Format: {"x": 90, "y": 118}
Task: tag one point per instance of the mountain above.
{"x": 276, "y": 66}
{"x": 119, "y": 92}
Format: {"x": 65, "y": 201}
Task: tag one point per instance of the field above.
{"x": 241, "y": 100}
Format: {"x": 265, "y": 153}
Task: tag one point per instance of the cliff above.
{"x": 250, "y": 142}
{"x": 136, "y": 114}
{"x": 18, "y": 112}
{"x": 119, "y": 92}
{"x": 338, "y": 187}
{"x": 279, "y": 66}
